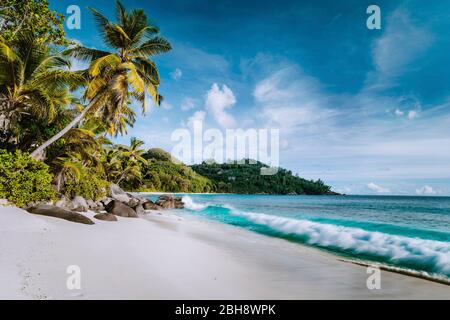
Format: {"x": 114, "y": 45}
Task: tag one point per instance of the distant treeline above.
{"x": 246, "y": 178}
{"x": 162, "y": 174}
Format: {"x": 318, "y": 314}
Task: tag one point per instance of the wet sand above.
{"x": 169, "y": 256}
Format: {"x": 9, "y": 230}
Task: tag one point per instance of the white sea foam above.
{"x": 191, "y": 205}
{"x": 432, "y": 255}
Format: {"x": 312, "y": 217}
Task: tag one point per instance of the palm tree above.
{"x": 82, "y": 152}
{"x": 133, "y": 152}
{"x": 34, "y": 84}
{"x": 68, "y": 167}
{"x": 111, "y": 163}
{"x": 131, "y": 161}
{"x": 119, "y": 76}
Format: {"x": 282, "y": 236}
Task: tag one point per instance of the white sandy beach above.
{"x": 166, "y": 256}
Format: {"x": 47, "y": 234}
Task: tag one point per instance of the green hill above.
{"x": 161, "y": 174}
{"x": 246, "y": 179}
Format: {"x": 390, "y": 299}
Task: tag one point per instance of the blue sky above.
{"x": 368, "y": 111}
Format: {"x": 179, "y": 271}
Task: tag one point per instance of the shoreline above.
{"x": 309, "y": 195}
{"x": 407, "y": 272}
{"x": 166, "y": 255}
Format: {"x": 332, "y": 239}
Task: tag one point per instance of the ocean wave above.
{"x": 429, "y": 255}
{"x": 191, "y": 205}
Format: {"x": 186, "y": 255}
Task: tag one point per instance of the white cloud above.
{"x": 176, "y": 74}
{"x": 286, "y": 84}
{"x": 188, "y": 103}
{"x": 166, "y": 105}
{"x": 293, "y": 101}
{"x": 217, "y": 100}
{"x": 412, "y": 114}
{"x": 401, "y": 43}
{"x": 196, "y": 61}
{"x": 378, "y": 189}
{"x": 426, "y": 190}
{"x": 198, "y": 116}
{"x": 334, "y": 136}
{"x": 399, "y": 113}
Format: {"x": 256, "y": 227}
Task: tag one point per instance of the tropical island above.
{"x": 67, "y": 191}
{"x": 56, "y": 124}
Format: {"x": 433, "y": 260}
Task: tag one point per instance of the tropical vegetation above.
{"x": 64, "y": 118}
{"x": 162, "y": 173}
{"x": 245, "y": 177}
{"x": 23, "y": 179}
{"x": 56, "y": 123}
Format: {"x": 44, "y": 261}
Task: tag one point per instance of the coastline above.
{"x": 164, "y": 255}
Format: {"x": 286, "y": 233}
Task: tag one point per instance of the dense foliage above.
{"x": 64, "y": 117}
{"x": 33, "y": 16}
{"x": 34, "y": 91}
{"x": 247, "y": 179}
{"x": 24, "y": 180}
{"x": 88, "y": 185}
{"x": 161, "y": 174}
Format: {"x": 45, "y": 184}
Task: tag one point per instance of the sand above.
{"x": 168, "y": 256}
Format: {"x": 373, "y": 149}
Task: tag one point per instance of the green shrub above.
{"x": 89, "y": 186}
{"x": 24, "y": 180}
{"x": 158, "y": 154}
{"x": 166, "y": 176}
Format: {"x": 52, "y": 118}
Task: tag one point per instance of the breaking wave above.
{"x": 191, "y": 205}
{"x": 428, "y": 255}
{"x": 418, "y": 254}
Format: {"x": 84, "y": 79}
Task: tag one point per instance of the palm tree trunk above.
{"x": 37, "y": 154}
{"x": 121, "y": 178}
{"x": 58, "y": 181}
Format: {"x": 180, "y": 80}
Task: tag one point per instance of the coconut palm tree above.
{"x": 34, "y": 84}
{"x": 119, "y": 76}
{"x": 130, "y": 161}
{"x": 133, "y": 152}
{"x": 111, "y": 163}
{"x": 69, "y": 167}
{"x": 82, "y": 152}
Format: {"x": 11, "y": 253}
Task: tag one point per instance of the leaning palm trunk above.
{"x": 38, "y": 154}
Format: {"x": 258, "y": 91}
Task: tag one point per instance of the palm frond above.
{"x": 57, "y": 78}
{"x": 101, "y": 21}
{"x": 152, "y": 47}
{"x": 109, "y": 61}
{"x": 134, "y": 78}
{"x": 153, "y": 91}
{"x": 7, "y": 52}
{"x": 148, "y": 70}
{"x": 85, "y": 54}
{"x": 121, "y": 13}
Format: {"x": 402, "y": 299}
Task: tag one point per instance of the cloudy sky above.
{"x": 367, "y": 111}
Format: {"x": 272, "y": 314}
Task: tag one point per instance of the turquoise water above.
{"x": 409, "y": 232}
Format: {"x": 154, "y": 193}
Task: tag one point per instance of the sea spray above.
{"x": 191, "y": 205}
{"x": 429, "y": 255}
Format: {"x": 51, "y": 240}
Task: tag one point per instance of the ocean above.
{"x": 407, "y": 232}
